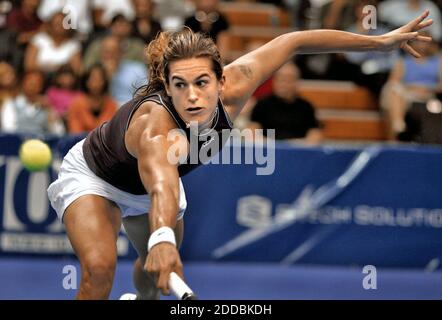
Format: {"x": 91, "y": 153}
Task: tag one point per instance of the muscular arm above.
{"x": 246, "y": 73}
{"x": 147, "y": 140}
{"x": 160, "y": 178}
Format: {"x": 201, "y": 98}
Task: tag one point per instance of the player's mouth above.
{"x": 194, "y": 110}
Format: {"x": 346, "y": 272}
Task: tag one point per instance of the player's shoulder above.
{"x": 148, "y": 122}
{"x": 151, "y": 114}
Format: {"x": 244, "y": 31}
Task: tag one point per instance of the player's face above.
{"x": 194, "y": 88}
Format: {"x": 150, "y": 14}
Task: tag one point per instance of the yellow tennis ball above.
{"x": 35, "y": 155}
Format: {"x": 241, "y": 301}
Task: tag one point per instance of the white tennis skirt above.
{"x": 75, "y": 179}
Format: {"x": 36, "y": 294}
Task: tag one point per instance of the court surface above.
{"x": 43, "y": 279}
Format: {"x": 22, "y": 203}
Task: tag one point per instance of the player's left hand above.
{"x": 403, "y": 36}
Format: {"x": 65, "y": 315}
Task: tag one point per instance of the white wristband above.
{"x": 163, "y": 234}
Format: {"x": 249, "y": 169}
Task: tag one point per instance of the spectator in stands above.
{"x": 8, "y": 46}
{"x": 53, "y": 48}
{"x": 368, "y": 69}
{"x": 339, "y": 14}
{"x": 24, "y": 21}
{"x": 292, "y": 117}
{"x": 172, "y": 13}
{"x": 144, "y": 25}
{"x": 333, "y": 14}
{"x": 29, "y": 112}
{"x": 131, "y": 47}
{"x": 8, "y": 85}
{"x": 63, "y": 91}
{"x": 412, "y": 80}
{"x": 106, "y": 10}
{"x": 79, "y": 13}
{"x": 123, "y": 75}
{"x": 94, "y": 106}
{"x": 395, "y": 12}
{"x": 209, "y": 20}
{"x": 103, "y": 11}
{"x": 8, "y": 82}
{"x": 424, "y": 122}
{"x": 6, "y": 7}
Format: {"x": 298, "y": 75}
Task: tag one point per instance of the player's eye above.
{"x": 180, "y": 85}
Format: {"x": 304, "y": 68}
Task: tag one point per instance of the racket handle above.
{"x": 179, "y": 288}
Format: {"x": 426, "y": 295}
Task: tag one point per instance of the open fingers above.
{"x": 423, "y": 38}
{"x": 409, "y": 36}
{"x": 411, "y": 50}
{"x": 424, "y": 24}
{"x": 414, "y": 23}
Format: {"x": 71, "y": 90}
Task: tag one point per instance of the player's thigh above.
{"x": 138, "y": 232}
{"x": 92, "y": 224}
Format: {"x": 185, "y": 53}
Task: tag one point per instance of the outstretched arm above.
{"x": 147, "y": 140}
{"x": 246, "y": 73}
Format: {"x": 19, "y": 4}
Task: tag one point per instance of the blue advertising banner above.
{"x": 378, "y": 205}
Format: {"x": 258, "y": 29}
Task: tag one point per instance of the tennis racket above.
{"x": 180, "y": 289}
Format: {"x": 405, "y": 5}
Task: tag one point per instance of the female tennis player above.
{"x": 122, "y": 170}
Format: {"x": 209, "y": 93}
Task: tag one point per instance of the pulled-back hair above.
{"x": 170, "y": 46}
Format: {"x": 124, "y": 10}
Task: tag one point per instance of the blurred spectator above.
{"x": 6, "y": 7}
{"x": 8, "y": 82}
{"x": 99, "y": 29}
{"x": 63, "y": 91}
{"x": 300, "y": 13}
{"x": 209, "y": 20}
{"x": 368, "y": 69}
{"x": 338, "y": 14}
{"x": 8, "y": 46}
{"x": 292, "y": 117}
{"x": 53, "y": 48}
{"x": 78, "y": 12}
{"x": 145, "y": 26}
{"x": 328, "y": 14}
{"x": 412, "y": 80}
{"x": 123, "y": 75}
{"x": 29, "y": 112}
{"x": 396, "y": 13}
{"x": 423, "y": 122}
{"x": 131, "y": 48}
{"x": 94, "y": 106}
{"x": 105, "y": 10}
{"x": 24, "y": 21}
{"x": 172, "y": 13}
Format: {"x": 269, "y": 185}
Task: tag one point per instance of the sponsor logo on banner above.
{"x": 28, "y": 223}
